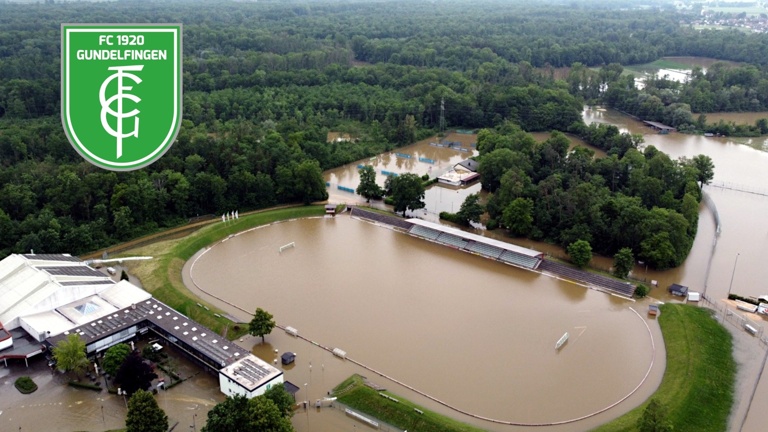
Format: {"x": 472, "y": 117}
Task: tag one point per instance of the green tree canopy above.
{"x": 282, "y": 399}
{"x": 623, "y": 262}
{"x": 407, "y": 192}
{"x": 705, "y": 169}
{"x": 239, "y": 414}
{"x": 470, "y": 210}
{"x": 309, "y": 182}
{"x": 114, "y": 357}
{"x": 144, "y": 415}
{"x": 580, "y": 252}
{"x": 368, "y": 188}
{"x": 261, "y": 324}
{"x": 518, "y": 216}
{"x": 70, "y": 354}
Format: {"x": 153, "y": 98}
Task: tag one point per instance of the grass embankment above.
{"x": 354, "y": 393}
{"x": 162, "y": 275}
{"x": 697, "y": 388}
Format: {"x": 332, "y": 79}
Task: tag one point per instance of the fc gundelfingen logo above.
{"x": 121, "y": 92}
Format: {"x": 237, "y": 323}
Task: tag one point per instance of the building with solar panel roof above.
{"x": 44, "y": 298}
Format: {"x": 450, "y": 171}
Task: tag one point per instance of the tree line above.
{"x": 635, "y": 199}
{"x": 264, "y": 83}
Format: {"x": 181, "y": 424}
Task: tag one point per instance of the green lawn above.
{"x": 697, "y": 388}
{"x": 162, "y": 275}
{"x": 402, "y": 414}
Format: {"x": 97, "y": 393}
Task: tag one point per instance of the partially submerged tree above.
{"x": 623, "y": 262}
{"x": 368, "y": 188}
{"x": 471, "y": 210}
{"x": 261, "y": 324}
{"x": 134, "y": 374}
{"x": 518, "y": 216}
{"x": 114, "y": 357}
{"x": 580, "y": 252}
{"x": 144, "y": 415}
{"x": 70, "y": 354}
{"x": 282, "y": 399}
{"x": 705, "y": 169}
{"x": 407, "y": 192}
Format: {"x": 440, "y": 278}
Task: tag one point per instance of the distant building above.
{"x": 337, "y": 137}
{"x": 463, "y": 173}
{"x": 678, "y": 290}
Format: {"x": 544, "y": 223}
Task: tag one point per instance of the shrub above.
{"x": 641, "y": 291}
{"x": 450, "y": 217}
{"x": 25, "y": 385}
{"x": 492, "y": 224}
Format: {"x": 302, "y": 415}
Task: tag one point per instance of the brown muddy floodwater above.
{"x": 55, "y": 406}
{"x": 473, "y": 333}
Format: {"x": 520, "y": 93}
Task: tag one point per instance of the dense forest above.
{"x": 641, "y": 200}
{"x": 264, "y": 83}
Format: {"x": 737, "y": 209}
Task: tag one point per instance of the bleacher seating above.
{"x": 425, "y": 232}
{"x": 452, "y": 240}
{"x": 519, "y": 260}
{"x": 485, "y": 249}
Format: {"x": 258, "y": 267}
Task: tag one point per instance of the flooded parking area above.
{"x": 56, "y": 406}
{"x": 473, "y": 333}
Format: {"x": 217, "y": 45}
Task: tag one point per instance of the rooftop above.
{"x": 478, "y": 238}
{"x": 189, "y": 332}
{"x": 251, "y": 372}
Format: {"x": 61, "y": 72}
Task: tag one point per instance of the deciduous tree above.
{"x": 623, "y": 262}
{"x": 407, "y": 192}
{"x": 705, "y": 168}
{"x": 518, "y": 216}
{"x": 261, "y": 324}
{"x": 368, "y": 188}
{"x": 282, "y": 399}
{"x": 239, "y": 414}
{"x": 470, "y": 210}
{"x": 114, "y": 357}
{"x": 144, "y": 415}
{"x": 580, "y": 252}
{"x": 70, "y": 354}
{"x": 134, "y": 374}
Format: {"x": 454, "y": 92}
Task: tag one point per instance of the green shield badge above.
{"x": 121, "y": 91}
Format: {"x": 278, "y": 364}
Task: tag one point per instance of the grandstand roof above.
{"x": 477, "y": 238}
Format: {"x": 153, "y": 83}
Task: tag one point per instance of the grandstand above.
{"x": 506, "y": 253}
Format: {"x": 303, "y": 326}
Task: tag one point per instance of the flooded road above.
{"x": 55, "y": 406}
{"x": 488, "y": 328}
{"x": 742, "y": 215}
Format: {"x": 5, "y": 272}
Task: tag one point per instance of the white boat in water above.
{"x": 561, "y": 341}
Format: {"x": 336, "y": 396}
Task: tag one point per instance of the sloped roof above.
{"x": 469, "y": 164}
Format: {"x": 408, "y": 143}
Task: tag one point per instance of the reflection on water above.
{"x": 423, "y": 313}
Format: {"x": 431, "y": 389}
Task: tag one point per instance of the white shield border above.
{"x": 173, "y": 132}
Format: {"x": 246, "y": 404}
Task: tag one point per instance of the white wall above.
{"x": 230, "y": 387}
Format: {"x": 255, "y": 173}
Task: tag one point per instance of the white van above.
{"x": 111, "y": 270}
